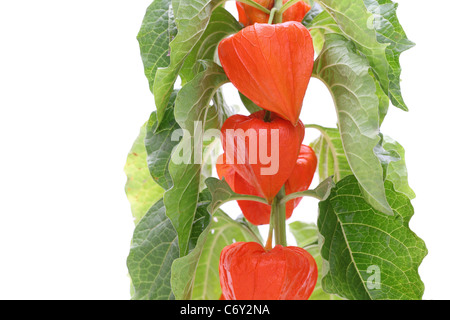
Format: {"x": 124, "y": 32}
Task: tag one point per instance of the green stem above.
{"x": 267, "y": 116}
{"x": 307, "y": 193}
{"x": 270, "y": 236}
{"x": 278, "y": 18}
{"x": 279, "y": 219}
{"x": 256, "y": 5}
{"x": 272, "y": 15}
{"x": 287, "y": 5}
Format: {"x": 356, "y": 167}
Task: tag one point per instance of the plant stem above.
{"x": 272, "y": 15}
{"x": 279, "y": 219}
{"x": 278, "y": 18}
{"x": 287, "y": 5}
{"x": 307, "y": 193}
{"x": 267, "y": 116}
{"x": 270, "y": 236}
{"x": 256, "y": 5}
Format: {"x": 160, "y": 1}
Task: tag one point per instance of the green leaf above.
{"x": 221, "y": 193}
{"x": 390, "y": 32}
{"x": 313, "y": 21}
{"x": 367, "y": 254}
{"x": 159, "y": 144}
{"x": 142, "y": 192}
{"x": 359, "y": 24}
{"x": 321, "y": 192}
{"x": 354, "y": 20}
{"x": 154, "y": 247}
{"x": 306, "y": 236}
{"x": 319, "y": 25}
{"x": 191, "y": 111}
{"x": 383, "y": 101}
{"x": 191, "y": 19}
{"x": 331, "y": 156}
{"x": 332, "y": 160}
{"x": 316, "y": 9}
{"x": 221, "y": 24}
{"x": 157, "y": 30}
{"x": 184, "y": 268}
{"x": 396, "y": 166}
{"x": 324, "y": 23}
{"x": 346, "y": 75}
{"x": 222, "y": 232}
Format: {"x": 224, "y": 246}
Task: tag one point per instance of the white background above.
{"x": 72, "y": 98}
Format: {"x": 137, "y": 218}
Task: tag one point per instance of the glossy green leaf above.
{"x": 367, "y": 254}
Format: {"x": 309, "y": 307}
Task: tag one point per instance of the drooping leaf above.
{"x": 378, "y": 18}
{"x": 396, "y": 166}
{"x": 154, "y": 247}
{"x": 191, "y": 111}
{"x": 191, "y": 19}
{"x": 184, "y": 268}
{"x": 389, "y": 31}
{"x": 306, "y": 236}
{"x": 367, "y": 254}
{"x": 323, "y": 23}
{"x": 142, "y": 192}
{"x": 383, "y": 101}
{"x": 332, "y": 160}
{"x": 157, "y": 30}
{"x": 346, "y": 74}
{"x": 353, "y": 20}
{"x": 223, "y": 231}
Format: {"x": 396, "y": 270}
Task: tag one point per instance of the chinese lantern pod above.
{"x": 263, "y": 153}
{"x": 250, "y": 272}
{"x": 271, "y": 65}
